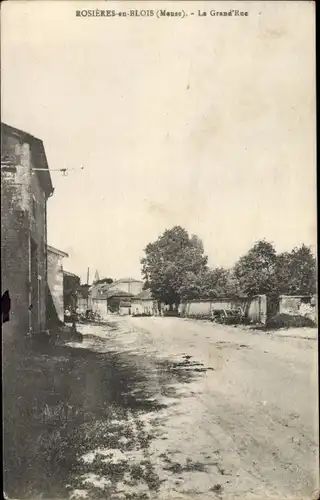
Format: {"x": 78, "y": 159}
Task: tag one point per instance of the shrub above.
{"x": 170, "y": 313}
{"x": 289, "y": 321}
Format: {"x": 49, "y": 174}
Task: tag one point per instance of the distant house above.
{"x": 71, "y": 284}
{"x": 114, "y": 298}
{"x": 144, "y": 304}
{"x": 119, "y": 302}
{"x": 55, "y": 299}
{"x": 112, "y": 302}
{"x": 129, "y": 285}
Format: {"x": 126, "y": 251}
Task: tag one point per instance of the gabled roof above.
{"x": 38, "y": 155}
{"x": 118, "y": 293}
{"x": 145, "y": 295}
{"x": 56, "y": 251}
{"x": 126, "y": 280}
{"x": 71, "y": 274}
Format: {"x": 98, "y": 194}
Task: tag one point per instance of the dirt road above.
{"x": 170, "y": 409}
{"x": 240, "y": 408}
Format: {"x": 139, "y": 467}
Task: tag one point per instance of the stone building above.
{"x": 112, "y": 302}
{"x": 55, "y": 298}
{"x": 25, "y": 189}
{"x": 144, "y": 304}
{"x": 128, "y": 285}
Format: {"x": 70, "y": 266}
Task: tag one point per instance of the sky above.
{"x": 203, "y": 122}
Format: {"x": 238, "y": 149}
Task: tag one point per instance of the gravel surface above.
{"x": 233, "y": 412}
{"x": 163, "y": 409}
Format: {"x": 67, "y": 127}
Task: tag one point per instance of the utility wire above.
{"x": 58, "y": 169}
{"x": 5, "y": 164}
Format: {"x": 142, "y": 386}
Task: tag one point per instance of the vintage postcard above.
{"x": 158, "y": 250}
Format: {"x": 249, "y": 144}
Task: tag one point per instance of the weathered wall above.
{"x": 134, "y": 287}
{"x": 23, "y": 209}
{"x": 14, "y": 263}
{"x": 298, "y": 306}
{"x": 55, "y": 284}
{"x": 100, "y": 307}
{"x": 198, "y": 308}
{"x": 143, "y": 307}
{"x": 204, "y": 308}
{"x": 37, "y": 211}
{"x": 15, "y": 241}
{"x": 255, "y": 308}
{"x": 23, "y": 224}
{"x": 124, "y": 311}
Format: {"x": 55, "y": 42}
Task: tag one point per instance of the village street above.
{"x": 227, "y": 413}
{"x": 169, "y": 408}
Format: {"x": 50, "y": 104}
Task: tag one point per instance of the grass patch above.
{"x": 58, "y": 404}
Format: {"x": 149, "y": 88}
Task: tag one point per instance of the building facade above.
{"x": 112, "y": 302}
{"x": 25, "y": 189}
{"x": 144, "y": 304}
{"x": 128, "y": 285}
{"x": 55, "y": 298}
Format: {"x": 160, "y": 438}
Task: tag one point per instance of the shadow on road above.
{"x": 62, "y": 402}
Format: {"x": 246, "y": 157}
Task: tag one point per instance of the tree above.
{"x": 83, "y": 290}
{"x": 220, "y": 282}
{"x": 193, "y": 286}
{"x": 108, "y": 281}
{"x": 284, "y": 265}
{"x": 146, "y": 286}
{"x": 296, "y": 272}
{"x": 172, "y": 265}
{"x": 256, "y": 271}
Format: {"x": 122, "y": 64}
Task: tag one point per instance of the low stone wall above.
{"x": 139, "y": 306}
{"x": 195, "y": 308}
{"x": 254, "y": 308}
{"x": 298, "y": 305}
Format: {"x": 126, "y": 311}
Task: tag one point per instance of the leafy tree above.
{"x": 283, "y": 270}
{"x": 83, "y": 290}
{"x": 296, "y": 272}
{"x": 193, "y": 286}
{"x": 172, "y": 265}
{"x": 146, "y": 286}
{"x": 108, "y": 281}
{"x": 256, "y": 271}
{"x": 219, "y": 282}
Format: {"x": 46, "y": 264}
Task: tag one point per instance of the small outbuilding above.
{"x": 144, "y": 304}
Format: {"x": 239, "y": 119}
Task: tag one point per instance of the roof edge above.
{"x": 31, "y": 139}
{"x": 56, "y": 251}
{"x": 67, "y": 273}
